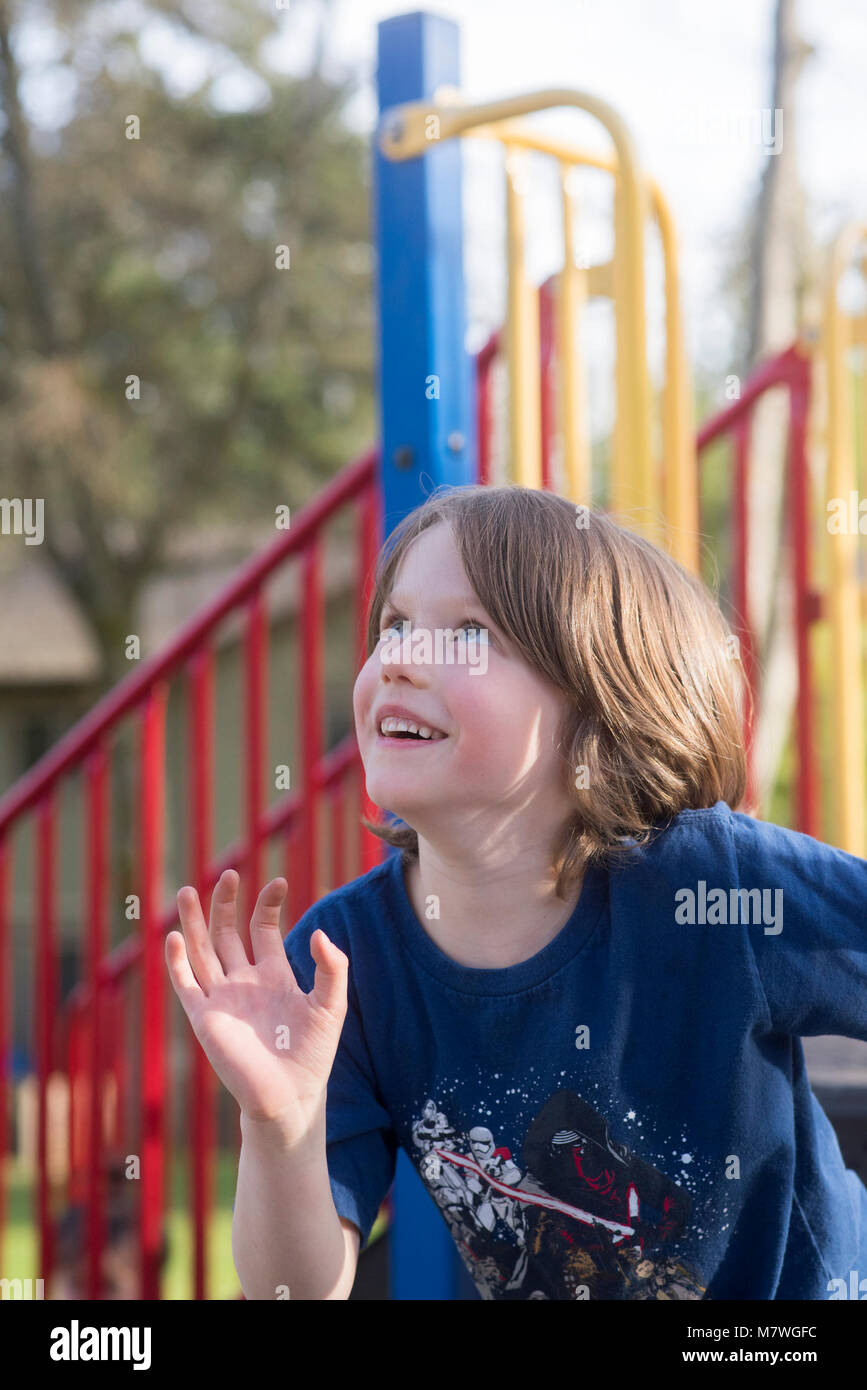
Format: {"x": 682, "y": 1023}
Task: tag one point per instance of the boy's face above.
{"x": 495, "y": 773}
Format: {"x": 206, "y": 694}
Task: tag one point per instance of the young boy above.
{"x": 576, "y": 997}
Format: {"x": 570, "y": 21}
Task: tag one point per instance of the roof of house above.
{"x": 44, "y": 636}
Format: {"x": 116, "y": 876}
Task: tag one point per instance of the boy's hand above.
{"x": 271, "y": 1044}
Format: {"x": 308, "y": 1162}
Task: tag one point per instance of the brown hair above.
{"x": 636, "y": 642}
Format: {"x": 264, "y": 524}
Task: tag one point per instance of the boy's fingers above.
{"x": 265, "y": 935}
{"x": 182, "y": 978}
{"x": 330, "y": 977}
{"x": 223, "y": 926}
{"x": 203, "y": 958}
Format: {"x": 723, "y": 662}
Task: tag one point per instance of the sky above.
{"x": 688, "y": 76}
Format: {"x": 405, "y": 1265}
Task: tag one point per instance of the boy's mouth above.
{"x": 406, "y": 732}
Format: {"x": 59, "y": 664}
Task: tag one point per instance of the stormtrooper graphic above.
{"x": 433, "y": 1134}
{"x": 490, "y": 1204}
{"x": 579, "y": 1217}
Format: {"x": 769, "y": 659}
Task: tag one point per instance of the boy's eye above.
{"x": 473, "y": 629}
{"x": 471, "y": 626}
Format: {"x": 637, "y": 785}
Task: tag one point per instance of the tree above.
{"x": 158, "y": 368}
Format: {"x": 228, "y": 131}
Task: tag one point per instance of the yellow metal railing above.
{"x": 635, "y": 481}
{"x": 845, "y": 608}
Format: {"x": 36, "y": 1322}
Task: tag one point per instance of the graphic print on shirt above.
{"x": 579, "y": 1216}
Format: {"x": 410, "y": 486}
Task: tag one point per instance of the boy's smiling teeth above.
{"x": 393, "y": 726}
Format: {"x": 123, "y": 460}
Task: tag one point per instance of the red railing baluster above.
{"x": 201, "y": 740}
{"x": 293, "y": 859}
{"x": 807, "y": 811}
{"x": 116, "y": 1053}
{"x": 45, "y": 1010}
{"x": 5, "y": 1031}
{"x": 740, "y": 590}
{"x": 68, "y": 1048}
{"x": 97, "y": 820}
{"x": 311, "y": 714}
{"x": 153, "y": 1069}
{"x": 110, "y": 1046}
{"x": 337, "y": 836}
{"x": 255, "y": 744}
{"x": 79, "y": 1108}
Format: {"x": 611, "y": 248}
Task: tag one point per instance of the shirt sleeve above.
{"x": 361, "y": 1147}
{"x": 811, "y": 946}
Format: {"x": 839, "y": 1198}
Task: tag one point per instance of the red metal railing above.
{"x": 791, "y": 370}
{"x": 85, "y": 1036}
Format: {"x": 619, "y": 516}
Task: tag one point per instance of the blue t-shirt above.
{"x": 627, "y": 1113}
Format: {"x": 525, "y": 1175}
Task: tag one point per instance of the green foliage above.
{"x": 156, "y": 258}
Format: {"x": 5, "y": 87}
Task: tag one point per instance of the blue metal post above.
{"x": 425, "y": 377}
{"x": 427, "y": 410}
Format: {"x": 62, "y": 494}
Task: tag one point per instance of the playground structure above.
{"x": 426, "y": 439}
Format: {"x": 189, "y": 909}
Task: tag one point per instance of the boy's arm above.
{"x": 287, "y": 1238}
{"x": 811, "y": 950}
{"x": 360, "y": 1143}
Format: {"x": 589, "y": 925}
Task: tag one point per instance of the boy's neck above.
{"x": 488, "y": 919}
